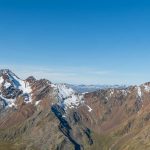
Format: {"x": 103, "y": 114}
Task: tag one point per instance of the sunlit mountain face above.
{"x": 38, "y": 114}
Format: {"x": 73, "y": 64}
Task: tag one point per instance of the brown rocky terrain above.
{"x": 39, "y": 115}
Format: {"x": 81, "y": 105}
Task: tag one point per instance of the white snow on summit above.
{"x": 18, "y": 84}
{"x": 68, "y": 98}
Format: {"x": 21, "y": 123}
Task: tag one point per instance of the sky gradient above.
{"x": 81, "y": 42}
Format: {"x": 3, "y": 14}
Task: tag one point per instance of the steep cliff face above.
{"x": 40, "y": 115}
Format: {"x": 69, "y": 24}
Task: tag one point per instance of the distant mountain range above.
{"x": 40, "y": 115}
{"x": 92, "y": 88}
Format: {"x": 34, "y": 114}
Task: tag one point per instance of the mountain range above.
{"x": 41, "y": 115}
{"x": 91, "y": 88}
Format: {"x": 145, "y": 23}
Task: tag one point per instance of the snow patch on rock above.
{"x": 18, "y": 84}
{"x": 111, "y": 92}
{"x": 9, "y": 102}
{"x": 124, "y": 92}
{"x": 90, "y": 109}
{"x": 67, "y": 97}
{"x": 139, "y": 91}
{"x": 147, "y": 88}
{"x": 1, "y": 80}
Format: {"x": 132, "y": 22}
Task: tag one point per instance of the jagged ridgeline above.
{"x": 39, "y": 115}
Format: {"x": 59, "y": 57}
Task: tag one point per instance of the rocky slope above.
{"x": 40, "y": 115}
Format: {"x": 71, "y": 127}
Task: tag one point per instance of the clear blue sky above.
{"x": 77, "y": 41}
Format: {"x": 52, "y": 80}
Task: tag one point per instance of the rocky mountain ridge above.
{"x": 40, "y": 115}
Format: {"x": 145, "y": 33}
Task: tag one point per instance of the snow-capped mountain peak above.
{"x": 11, "y": 87}
{"x": 67, "y": 97}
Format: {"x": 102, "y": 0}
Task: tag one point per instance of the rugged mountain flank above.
{"x": 40, "y": 115}
{"x": 35, "y": 114}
